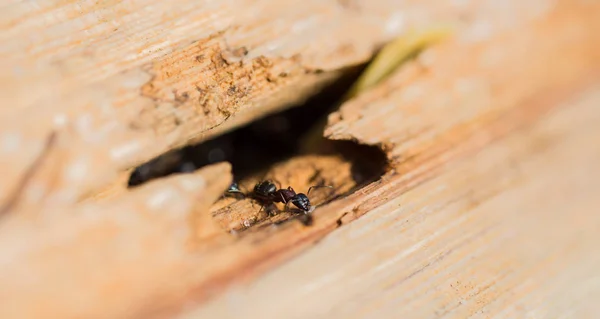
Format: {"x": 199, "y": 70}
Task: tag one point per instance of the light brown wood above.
{"x": 486, "y": 204}
{"x": 130, "y": 80}
{"x": 119, "y": 252}
{"x": 511, "y": 231}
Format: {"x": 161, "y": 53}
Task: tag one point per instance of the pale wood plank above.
{"x": 123, "y": 81}
{"x": 509, "y": 232}
{"x": 103, "y": 98}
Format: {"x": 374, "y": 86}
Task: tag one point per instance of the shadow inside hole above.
{"x": 368, "y": 162}
{"x": 264, "y": 142}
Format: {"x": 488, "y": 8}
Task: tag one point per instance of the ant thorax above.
{"x": 285, "y": 195}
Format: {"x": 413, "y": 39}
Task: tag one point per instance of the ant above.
{"x": 267, "y": 192}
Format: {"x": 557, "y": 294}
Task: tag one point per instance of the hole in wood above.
{"x": 276, "y": 147}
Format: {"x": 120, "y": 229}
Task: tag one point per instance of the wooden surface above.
{"x": 486, "y": 205}
{"x": 511, "y": 231}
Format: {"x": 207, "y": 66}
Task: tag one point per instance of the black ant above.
{"x": 267, "y": 192}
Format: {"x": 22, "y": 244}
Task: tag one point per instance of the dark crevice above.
{"x": 257, "y": 146}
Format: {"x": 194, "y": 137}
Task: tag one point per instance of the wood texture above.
{"x": 127, "y": 81}
{"x": 511, "y": 231}
{"x": 66, "y": 260}
{"x": 486, "y": 206}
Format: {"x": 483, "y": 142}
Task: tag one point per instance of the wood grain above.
{"x": 66, "y": 260}
{"x": 127, "y": 81}
{"x": 486, "y": 206}
{"x": 511, "y": 231}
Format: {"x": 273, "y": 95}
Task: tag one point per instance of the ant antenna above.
{"x": 316, "y": 186}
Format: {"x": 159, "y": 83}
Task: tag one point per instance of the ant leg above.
{"x": 285, "y": 207}
{"x": 270, "y": 209}
{"x": 269, "y": 216}
{"x": 316, "y": 186}
{"x": 283, "y": 198}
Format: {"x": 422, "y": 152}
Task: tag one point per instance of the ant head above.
{"x": 301, "y": 201}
